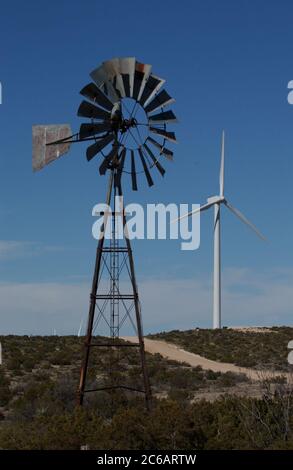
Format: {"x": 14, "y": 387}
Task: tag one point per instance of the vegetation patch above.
{"x": 259, "y": 350}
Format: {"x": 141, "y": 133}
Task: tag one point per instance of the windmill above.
{"x": 127, "y": 128}
{"x": 216, "y": 202}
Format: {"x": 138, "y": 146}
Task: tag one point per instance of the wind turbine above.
{"x": 80, "y": 328}
{"x": 217, "y": 201}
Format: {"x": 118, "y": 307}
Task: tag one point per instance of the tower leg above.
{"x": 147, "y": 387}
{"x": 92, "y": 307}
{"x": 217, "y": 269}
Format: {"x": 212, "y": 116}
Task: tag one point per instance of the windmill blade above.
{"x": 127, "y": 86}
{"x": 163, "y": 150}
{"x": 152, "y": 85}
{"x": 95, "y": 148}
{"x": 160, "y": 101}
{"x": 195, "y": 211}
{"x": 167, "y": 116}
{"x": 89, "y": 110}
{"x": 93, "y": 93}
{"x": 127, "y": 69}
{"x": 120, "y": 168}
{"x": 133, "y": 172}
{"x": 107, "y": 160}
{"x": 141, "y": 75}
{"x": 43, "y": 154}
{"x": 222, "y": 168}
{"x": 155, "y": 160}
{"x": 146, "y": 170}
{"x": 167, "y": 135}
{"x": 243, "y": 219}
{"x": 100, "y": 78}
{"x": 87, "y": 130}
{"x": 112, "y": 69}
{"x": 118, "y": 85}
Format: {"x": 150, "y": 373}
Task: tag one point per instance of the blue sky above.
{"x": 227, "y": 64}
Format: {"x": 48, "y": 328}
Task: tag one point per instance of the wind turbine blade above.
{"x": 244, "y": 219}
{"x": 199, "y": 209}
{"x": 222, "y": 168}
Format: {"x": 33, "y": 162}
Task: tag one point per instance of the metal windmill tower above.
{"x": 125, "y": 105}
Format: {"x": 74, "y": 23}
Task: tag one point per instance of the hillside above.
{"x": 36, "y": 367}
{"x": 38, "y": 380}
{"x": 264, "y": 348}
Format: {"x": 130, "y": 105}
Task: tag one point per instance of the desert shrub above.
{"x": 61, "y": 358}
{"x": 227, "y": 423}
{"x": 5, "y": 393}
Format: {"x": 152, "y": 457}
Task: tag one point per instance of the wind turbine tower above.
{"x": 217, "y": 201}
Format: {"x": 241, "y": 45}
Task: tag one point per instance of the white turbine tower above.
{"x": 216, "y": 201}
{"x": 80, "y": 328}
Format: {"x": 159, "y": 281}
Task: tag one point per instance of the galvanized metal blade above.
{"x": 107, "y": 160}
{"x": 118, "y": 175}
{"x": 92, "y": 92}
{"x": 146, "y": 170}
{"x": 155, "y": 160}
{"x": 87, "y": 130}
{"x": 100, "y": 78}
{"x": 161, "y": 100}
{"x": 167, "y": 116}
{"x": 89, "y": 110}
{"x": 142, "y": 72}
{"x": 133, "y": 172}
{"x": 152, "y": 85}
{"x": 127, "y": 86}
{"x": 95, "y": 148}
{"x": 163, "y": 150}
{"x": 127, "y": 69}
{"x": 167, "y": 135}
{"x": 112, "y": 69}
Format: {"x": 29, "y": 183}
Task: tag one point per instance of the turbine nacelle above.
{"x": 216, "y": 199}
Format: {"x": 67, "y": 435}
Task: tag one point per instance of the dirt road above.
{"x": 173, "y": 352}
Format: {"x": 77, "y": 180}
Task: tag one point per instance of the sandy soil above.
{"x": 173, "y": 352}
{"x": 252, "y": 329}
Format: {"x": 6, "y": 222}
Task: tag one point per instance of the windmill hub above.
{"x": 121, "y": 124}
{"x": 126, "y": 124}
